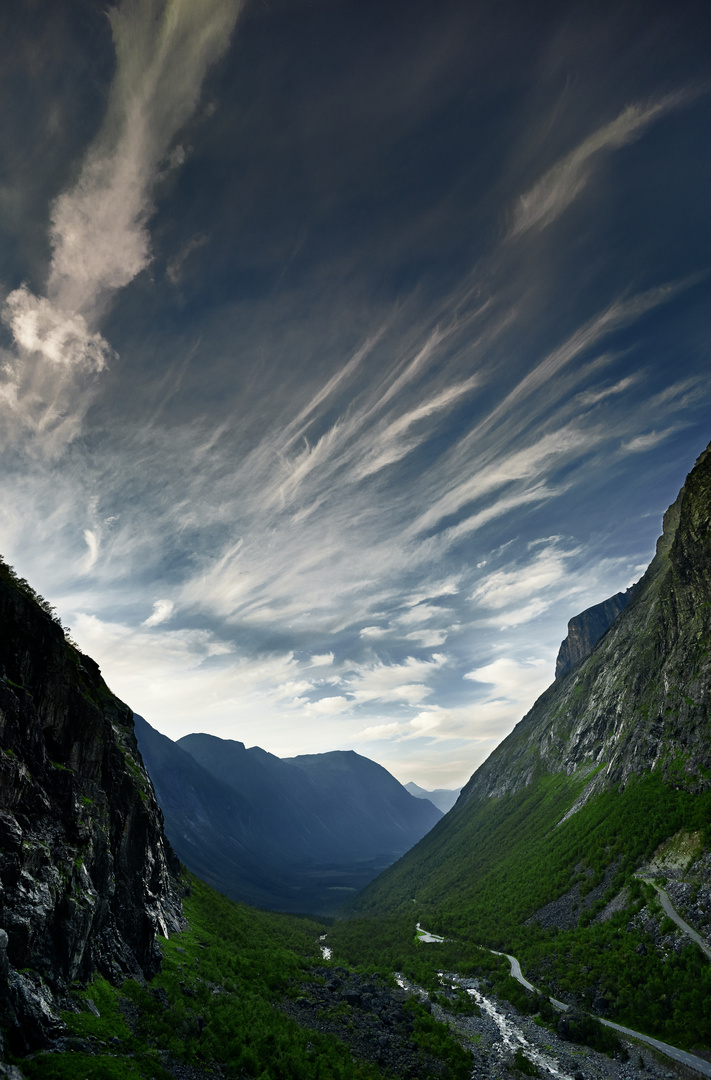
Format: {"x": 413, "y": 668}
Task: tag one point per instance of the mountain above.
{"x": 640, "y": 700}
{"x": 586, "y": 629}
{"x": 207, "y": 821}
{"x": 368, "y": 811}
{"x": 294, "y": 834}
{"x": 443, "y": 798}
{"x": 87, "y": 876}
{"x": 607, "y": 776}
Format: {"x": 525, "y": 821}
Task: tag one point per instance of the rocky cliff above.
{"x": 86, "y": 876}
{"x": 586, "y": 629}
{"x": 641, "y": 700}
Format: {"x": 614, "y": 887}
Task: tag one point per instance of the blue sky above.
{"x": 348, "y": 349}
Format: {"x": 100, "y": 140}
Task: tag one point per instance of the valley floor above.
{"x": 501, "y": 1030}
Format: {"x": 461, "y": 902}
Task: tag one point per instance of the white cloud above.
{"x": 392, "y": 443}
{"x": 328, "y": 706}
{"x": 526, "y": 464}
{"x": 512, "y": 686}
{"x": 422, "y": 613}
{"x": 162, "y": 610}
{"x": 557, "y": 189}
{"x": 92, "y": 542}
{"x": 592, "y": 397}
{"x": 98, "y": 231}
{"x": 430, "y": 639}
{"x": 322, "y": 660}
{"x": 646, "y": 442}
{"x": 396, "y": 683}
{"x": 503, "y": 588}
{"x": 61, "y": 337}
{"x": 174, "y": 267}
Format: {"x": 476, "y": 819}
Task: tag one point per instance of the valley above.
{"x": 580, "y": 851}
{"x": 296, "y": 834}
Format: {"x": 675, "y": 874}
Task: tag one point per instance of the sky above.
{"x": 347, "y": 348}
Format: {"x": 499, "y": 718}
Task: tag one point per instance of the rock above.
{"x": 638, "y": 699}
{"x": 87, "y": 877}
{"x": 10, "y": 1072}
{"x": 586, "y": 629}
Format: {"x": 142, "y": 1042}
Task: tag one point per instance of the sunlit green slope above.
{"x": 613, "y": 761}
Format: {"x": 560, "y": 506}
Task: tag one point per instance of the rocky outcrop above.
{"x": 365, "y": 1013}
{"x": 642, "y": 698}
{"x": 586, "y": 629}
{"x": 87, "y": 879}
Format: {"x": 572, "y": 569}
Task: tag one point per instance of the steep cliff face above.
{"x": 86, "y": 876}
{"x": 612, "y": 763}
{"x": 586, "y": 629}
{"x": 641, "y": 700}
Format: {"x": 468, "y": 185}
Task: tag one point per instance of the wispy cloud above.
{"x": 162, "y": 610}
{"x": 647, "y": 441}
{"x": 593, "y": 397}
{"x": 98, "y": 232}
{"x": 565, "y": 180}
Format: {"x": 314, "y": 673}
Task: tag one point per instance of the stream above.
{"x": 326, "y": 953}
{"x": 512, "y": 1038}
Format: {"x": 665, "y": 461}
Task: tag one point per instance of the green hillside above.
{"x": 611, "y": 765}
{"x": 227, "y": 1001}
{"x": 486, "y": 879}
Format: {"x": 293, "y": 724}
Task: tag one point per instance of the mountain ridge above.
{"x": 613, "y": 707}
{"x": 292, "y": 834}
{"x": 443, "y": 798}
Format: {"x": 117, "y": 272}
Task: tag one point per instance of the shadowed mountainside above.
{"x": 293, "y": 834}
{"x": 586, "y": 629}
{"x": 87, "y": 877}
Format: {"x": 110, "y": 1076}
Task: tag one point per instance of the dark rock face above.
{"x": 586, "y": 629}
{"x": 86, "y": 876}
{"x": 641, "y": 699}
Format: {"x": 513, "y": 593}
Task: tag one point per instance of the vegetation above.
{"x": 216, "y": 1002}
{"x": 8, "y": 574}
{"x": 486, "y": 881}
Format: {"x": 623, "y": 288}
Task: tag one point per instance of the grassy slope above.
{"x": 480, "y": 875}
{"x": 215, "y": 1004}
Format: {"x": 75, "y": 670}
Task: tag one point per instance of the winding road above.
{"x": 673, "y": 1052}
{"x": 669, "y": 910}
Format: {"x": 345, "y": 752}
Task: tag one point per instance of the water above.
{"x": 512, "y": 1038}
{"x": 326, "y": 953}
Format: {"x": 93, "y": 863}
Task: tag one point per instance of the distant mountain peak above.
{"x": 443, "y": 798}
{"x": 293, "y": 834}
